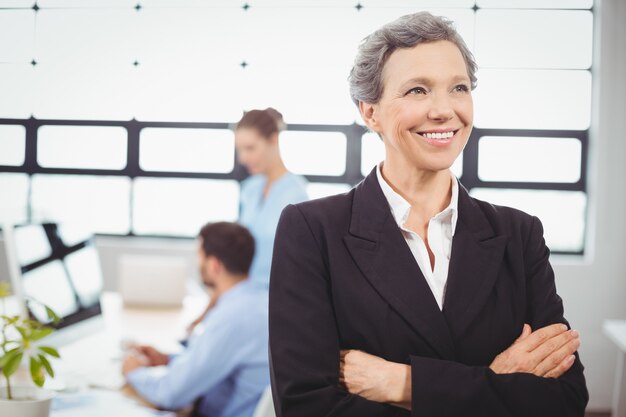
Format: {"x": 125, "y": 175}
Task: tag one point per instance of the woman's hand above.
{"x": 547, "y": 352}
{"x": 374, "y": 378}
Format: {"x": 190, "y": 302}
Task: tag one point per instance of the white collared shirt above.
{"x": 440, "y": 233}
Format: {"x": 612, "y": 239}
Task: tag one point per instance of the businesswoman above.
{"x": 270, "y": 187}
{"x": 406, "y": 296}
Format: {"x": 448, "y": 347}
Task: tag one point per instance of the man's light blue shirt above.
{"x": 260, "y": 215}
{"x": 225, "y": 363}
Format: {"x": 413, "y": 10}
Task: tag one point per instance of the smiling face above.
{"x": 425, "y": 113}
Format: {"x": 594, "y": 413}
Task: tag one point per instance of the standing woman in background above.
{"x": 265, "y": 193}
{"x": 269, "y": 188}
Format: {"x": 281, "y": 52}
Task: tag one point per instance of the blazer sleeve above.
{"x": 486, "y": 393}
{"x": 304, "y": 341}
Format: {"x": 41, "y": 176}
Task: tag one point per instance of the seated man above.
{"x": 224, "y": 368}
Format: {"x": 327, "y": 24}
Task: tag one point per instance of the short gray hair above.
{"x": 405, "y": 32}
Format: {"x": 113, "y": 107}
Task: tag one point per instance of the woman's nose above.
{"x": 441, "y": 108}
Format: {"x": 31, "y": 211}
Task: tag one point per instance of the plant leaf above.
{"x": 52, "y": 315}
{"x": 36, "y": 373}
{"x": 46, "y": 364}
{"x": 12, "y": 364}
{"x": 38, "y": 334}
{"x": 7, "y": 357}
{"x": 50, "y": 351}
{"x": 24, "y": 332}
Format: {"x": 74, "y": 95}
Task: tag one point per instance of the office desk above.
{"x": 100, "y": 352}
{"x": 616, "y": 331}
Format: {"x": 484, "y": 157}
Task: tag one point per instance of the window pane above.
{"x": 95, "y": 147}
{"x": 529, "y": 159}
{"x": 16, "y": 84}
{"x": 100, "y": 204}
{"x": 536, "y": 4}
{"x": 180, "y": 207}
{"x": 187, "y": 150}
{"x": 176, "y": 92}
{"x": 296, "y": 77}
{"x": 324, "y": 189}
{"x": 314, "y": 153}
{"x": 350, "y": 4}
{"x": 17, "y": 3}
{"x": 12, "y": 145}
{"x": 533, "y": 99}
{"x": 13, "y": 209}
{"x": 561, "y": 212}
{"x": 148, "y": 4}
{"x": 106, "y": 91}
{"x": 189, "y": 72}
{"x": 372, "y": 152}
{"x": 78, "y": 35}
{"x": 87, "y": 3}
{"x": 504, "y": 41}
{"x": 17, "y": 35}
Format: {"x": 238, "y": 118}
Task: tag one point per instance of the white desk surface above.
{"x": 161, "y": 327}
{"x": 616, "y": 331}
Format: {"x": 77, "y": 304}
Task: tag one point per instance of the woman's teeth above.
{"x": 444, "y": 135}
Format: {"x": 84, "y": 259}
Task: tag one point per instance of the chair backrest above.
{"x": 265, "y": 407}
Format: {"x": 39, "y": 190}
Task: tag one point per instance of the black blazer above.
{"x": 343, "y": 277}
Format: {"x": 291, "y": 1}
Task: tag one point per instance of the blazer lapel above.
{"x": 475, "y": 261}
{"x": 380, "y": 251}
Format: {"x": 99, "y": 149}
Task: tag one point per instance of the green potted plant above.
{"x": 19, "y": 339}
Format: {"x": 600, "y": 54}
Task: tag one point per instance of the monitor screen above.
{"x": 31, "y": 244}
{"x": 57, "y": 266}
{"x": 72, "y": 234}
{"x": 83, "y": 267}
{"x": 50, "y": 285}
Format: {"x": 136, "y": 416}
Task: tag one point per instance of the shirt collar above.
{"x": 400, "y": 207}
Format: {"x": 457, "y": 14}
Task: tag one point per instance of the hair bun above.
{"x": 278, "y": 118}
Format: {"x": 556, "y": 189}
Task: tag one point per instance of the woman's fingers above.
{"x": 541, "y": 336}
{"x": 563, "y": 344}
{"x": 543, "y": 352}
{"x": 553, "y": 363}
{"x": 561, "y": 368}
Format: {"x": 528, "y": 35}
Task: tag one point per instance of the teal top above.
{"x": 260, "y": 215}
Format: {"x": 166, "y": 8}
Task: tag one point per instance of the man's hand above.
{"x": 152, "y": 356}
{"x": 375, "y": 378}
{"x": 547, "y": 352}
{"x": 132, "y": 362}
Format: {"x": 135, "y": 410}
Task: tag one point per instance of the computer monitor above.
{"x": 60, "y": 269}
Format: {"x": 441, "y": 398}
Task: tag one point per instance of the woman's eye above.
{"x": 417, "y": 90}
{"x": 461, "y": 88}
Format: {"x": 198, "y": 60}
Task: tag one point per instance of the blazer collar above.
{"x": 379, "y": 249}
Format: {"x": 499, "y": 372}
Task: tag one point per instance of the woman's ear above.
{"x": 368, "y": 113}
